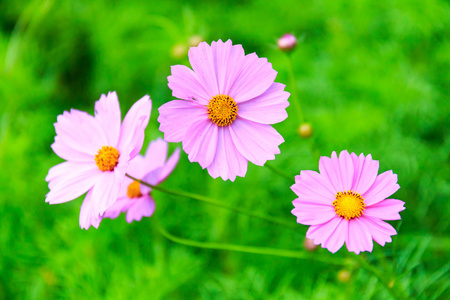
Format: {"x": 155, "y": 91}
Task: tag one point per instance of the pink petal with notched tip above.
{"x": 185, "y": 85}
{"x": 321, "y": 233}
{"x": 380, "y": 231}
{"x": 141, "y": 207}
{"x": 87, "y": 216}
{"x": 336, "y": 240}
{"x": 133, "y": 127}
{"x": 79, "y": 132}
{"x": 359, "y": 238}
{"x": 310, "y": 185}
{"x": 267, "y": 108}
{"x": 365, "y": 173}
{"x": 176, "y": 116}
{"x": 312, "y": 214}
{"x": 69, "y": 180}
{"x": 203, "y": 63}
{"x": 385, "y": 185}
{"x": 201, "y": 142}
{"x": 386, "y": 210}
{"x": 256, "y": 142}
{"x": 228, "y": 161}
{"x": 108, "y": 116}
{"x": 346, "y": 170}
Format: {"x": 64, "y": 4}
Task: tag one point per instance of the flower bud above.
{"x": 344, "y": 276}
{"x": 179, "y": 50}
{"x": 309, "y": 245}
{"x": 305, "y": 130}
{"x": 287, "y": 42}
{"x": 195, "y": 40}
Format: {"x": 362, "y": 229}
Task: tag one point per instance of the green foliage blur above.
{"x": 372, "y": 77}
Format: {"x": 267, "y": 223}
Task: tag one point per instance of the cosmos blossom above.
{"x": 97, "y": 150}
{"x": 227, "y": 103}
{"x": 134, "y": 198}
{"x": 346, "y": 202}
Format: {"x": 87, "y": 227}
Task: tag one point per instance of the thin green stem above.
{"x": 384, "y": 278}
{"x": 218, "y": 203}
{"x": 256, "y": 250}
{"x": 293, "y": 89}
{"x": 279, "y": 172}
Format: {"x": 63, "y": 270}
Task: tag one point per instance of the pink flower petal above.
{"x": 121, "y": 205}
{"x": 142, "y": 207}
{"x": 256, "y": 142}
{"x": 312, "y": 214}
{"x": 155, "y": 156}
{"x": 177, "y": 116}
{"x": 359, "y": 238}
{"x": 336, "y": 240}
{"x": 331, "y": 173}
{"x": 88, "y": 217}
{"x": 170, "y": 165}
{"x": 346, "y": 170}
{"x": 136, "y": 167}
{"x": 366, "y": 171}
{"x": 106, "y": 191}
{"x": 380, "y": 231}
{"x": 79, "y": 132}
{"x": 203, "y": 63}
{"x": 256, "y": 76}
{"x": 228, "y": 162}
{"x": 185, "y": 85}
{"x": 69, "y": 180}
{"x": 385, "y": 185}
{"x": 386, "y": 209}
{"x": 108, "y": 116}
{"x": 312, "y": 187}
{"x": 320, "y": 233}
{"x": 201, "y": 142}
{"x": 133, "y": 127}
{"x": 267, "y": 108}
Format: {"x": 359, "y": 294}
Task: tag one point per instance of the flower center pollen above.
{"x": 222, "y": 110}
{"x": 107, "y": 158}
{"x": 349, "y": 205}
{"x": 133, "y": 190}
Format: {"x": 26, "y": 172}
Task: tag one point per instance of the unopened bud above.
{"x": 287, "y": 42}
{"x": 309, "y": 245}
{"x": 305, "y": 130}
{"x": 344, "y": 276}
{"x": 179, "y": 50}
{"x": 195, "y": 40}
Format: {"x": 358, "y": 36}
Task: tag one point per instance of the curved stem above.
{"x": 294, "y": 89}
{"x": 218, "y": 203}
{"x": 385, "y": 279}
{"x": 255, "y": 250}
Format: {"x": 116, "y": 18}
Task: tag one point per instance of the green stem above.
{"x": 293, "y": 89}
{"x": 256, "y": 250}
{"x": 219, "y": 204}
{"x": 279, "y": 172}
{"x": 384, "y": 278}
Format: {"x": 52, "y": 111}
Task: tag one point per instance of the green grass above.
{"x": 372, "y": 77}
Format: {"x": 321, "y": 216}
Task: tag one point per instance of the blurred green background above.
{"x": 372, "y": 76}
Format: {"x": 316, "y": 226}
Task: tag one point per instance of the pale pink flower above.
{"x": 135, "y": 198}
{"x": 346, "y": 202}
{"x": 98, "y": 150}
{"x": 228, "y": 102}
{"x": 287, "y": 42}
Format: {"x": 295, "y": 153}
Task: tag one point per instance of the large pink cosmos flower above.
{"x": 346, "y": 202}
{"x": 134, "y": 198}
{"x": 228, "y": 102}
{"x": 98, "y": 150}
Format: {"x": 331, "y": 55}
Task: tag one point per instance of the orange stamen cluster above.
{"x": 222, "y": 110}
{"x": 349, "y": 204}
{"x": 133, "y": 190}
{"x": 107, "y": 158}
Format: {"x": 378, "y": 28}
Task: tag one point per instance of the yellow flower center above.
{"x": 222, "y": 110}
{"x": 133, "y": 190}
{"x": 107, "y": 158}
{"x": 348, "y": 204}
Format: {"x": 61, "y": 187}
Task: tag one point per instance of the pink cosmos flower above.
{"x": 134, "y": 198}
{"x": 98, "y": 150}
{"x": 228, "y": 102}
{"x": 346, "y": 202}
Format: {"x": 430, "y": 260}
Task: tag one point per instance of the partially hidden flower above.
{"x": 346, "y": 202}
{"x": 134, "y": 198}
{"x": 228, "y": 102}
{"x": 287, "y": 42}
{"x": 97, "y": 150}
